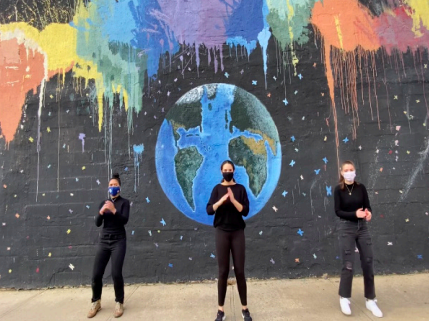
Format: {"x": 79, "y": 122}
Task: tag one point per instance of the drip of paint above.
{"x": 138, "y": 152}
{"x": 82, "y": 138}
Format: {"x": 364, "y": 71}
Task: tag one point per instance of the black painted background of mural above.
{"x": 37, "y": 13}
{"x": 27, "y": 241}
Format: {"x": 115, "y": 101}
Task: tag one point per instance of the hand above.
{"x": 102, "y": 210}
{"x": 231, "y": 194}
{"x": 368, "y": 215}
{"x": 360, "y": 213}
{"x": 223, "y": 199}
{"x": 109, "y": 206}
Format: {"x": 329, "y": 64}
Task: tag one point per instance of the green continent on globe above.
{"x": 187, "y": 162}
{"x": 252, "y": 155}
{"x": 187, "y": 117}
{"x": 253, "y": 117}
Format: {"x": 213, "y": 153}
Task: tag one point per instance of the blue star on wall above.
{"x": 285, "y": 102}
{"x": 328, "y": 190}
{"x": 292, "y": 138}
{"x": 284, "y": 193}
{"x": 325, "y": 160}
{"x": 345, "y": 140}
{"x": 163, "y": 222}
{"x": 300, "y": 232}
{"x": 292, "y": 163}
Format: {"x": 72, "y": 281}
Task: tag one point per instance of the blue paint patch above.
{"x": 300, "y": 232}
{"x": 328, "y": 190}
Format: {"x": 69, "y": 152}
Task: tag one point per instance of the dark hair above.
{"x": 342, "y": 181}
{"x": 230, "y": 163}
{"x": 116, "y": 176}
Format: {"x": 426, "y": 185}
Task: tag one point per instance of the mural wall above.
{"x": 162, "y": 91}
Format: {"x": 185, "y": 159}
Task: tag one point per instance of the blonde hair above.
{"x": 342, "y": 180}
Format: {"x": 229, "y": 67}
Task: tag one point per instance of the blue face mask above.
{"x": 114, "y": 190}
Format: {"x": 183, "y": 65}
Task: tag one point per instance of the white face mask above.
{"x": 350, "y": 176}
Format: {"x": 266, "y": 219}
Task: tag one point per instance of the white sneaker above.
{"x": 371, "y": 305}
{"x": 345, "y": 306}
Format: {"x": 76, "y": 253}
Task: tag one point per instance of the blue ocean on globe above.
{"x": 210, "y": 124}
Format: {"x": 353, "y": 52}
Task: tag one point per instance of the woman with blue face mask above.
{"x": 354, "y": 210}
{"x": 113, "y": 215}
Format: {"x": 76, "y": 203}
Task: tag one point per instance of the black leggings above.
{"x": 233, "y": 242}
{"x": 107, "y": 249}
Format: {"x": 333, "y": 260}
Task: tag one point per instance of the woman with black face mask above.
{"x": 113, "y": 214}
{"x": 229, "y": 203}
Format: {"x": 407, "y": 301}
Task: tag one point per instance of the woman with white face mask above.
{"x": 354, "y": 210}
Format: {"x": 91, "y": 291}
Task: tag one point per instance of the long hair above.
{"x": 116, "y": 176}
{"x": 233, "y": 168}
{"x": 342, "y": 180}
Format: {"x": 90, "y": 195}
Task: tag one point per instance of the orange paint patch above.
{"x": 21, "y": 70}
{"x": 346, "y": 31}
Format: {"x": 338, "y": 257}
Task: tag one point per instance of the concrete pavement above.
{"x": 400, "y": 297}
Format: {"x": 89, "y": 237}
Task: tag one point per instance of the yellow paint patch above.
{"x": 420, "y": 15}
{"x": 338, "y": 26}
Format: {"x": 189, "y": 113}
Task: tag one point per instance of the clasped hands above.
{"x": 361, "y": 213}
{"x": 108, "y": 207}
{"x": 229, "y": 195}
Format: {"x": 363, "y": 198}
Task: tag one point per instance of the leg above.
{"x": 101, "y": 259}
{"x": 364, "y": 245}
{"x": 347, "y": 246}
{"x": 118, "y": 255}
{"x": 238, "y": 249}
{"x": 223, "y": 247}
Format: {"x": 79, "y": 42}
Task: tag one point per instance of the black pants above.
{"x": 226, "y": 243}
{"x": 351, "y": 234}
{"x": 115, "y": 249}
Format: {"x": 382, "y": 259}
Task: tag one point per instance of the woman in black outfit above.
{"x": 353, "y": 208}
{"x": 229, "y": 203}
{"x": 114, "y": 213}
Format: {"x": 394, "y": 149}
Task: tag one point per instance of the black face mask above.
{"x": 228, "y": 176}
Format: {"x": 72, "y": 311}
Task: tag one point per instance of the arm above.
{"x": 340, "y": 213}
{"x": 244, "y": 203}
{"x": 123, "y": 213}
{"x": 366, "y": 204}
{"x": 99, "y": 218}
{"x": 212, "y": 206}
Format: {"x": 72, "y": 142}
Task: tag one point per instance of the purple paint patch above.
{"x": 82, "y": 138}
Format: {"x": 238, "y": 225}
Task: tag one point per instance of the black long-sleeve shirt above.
{"x": 346, "y": 205}
{"x": 114, "y": 223}
{"x": 227, "y": 217}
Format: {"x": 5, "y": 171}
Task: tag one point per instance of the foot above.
{"x": 220, "y": 316}
{"x": 95, "y": 307}
{"x": 371, "y": 305}
{"x": 345, "y": 306}
{"x": 119, "y": 310}
{"x": 246, "y": 315}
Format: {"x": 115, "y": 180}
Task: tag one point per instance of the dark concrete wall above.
{"x": 51, "y": 189}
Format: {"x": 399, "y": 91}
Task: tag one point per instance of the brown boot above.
{"x": 119, "y": 310}
{"x": 95, "y": 307}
